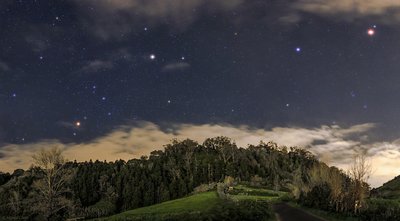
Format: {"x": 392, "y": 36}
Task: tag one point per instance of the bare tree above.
{"x": 54, "y": 177}
{"x": 360, "y": 171}
{"x": 335, "y": 182}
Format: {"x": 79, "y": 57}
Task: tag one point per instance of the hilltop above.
{"x": 389, "y": 190}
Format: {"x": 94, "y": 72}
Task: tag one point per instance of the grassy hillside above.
{"x": 389, "y": 190}
{"x": 201, "y": 202}
{"x": 242, "y": 192}
{"x": 209, "y": 204}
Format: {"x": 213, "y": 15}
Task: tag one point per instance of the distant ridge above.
{"x": 389, "y": 190}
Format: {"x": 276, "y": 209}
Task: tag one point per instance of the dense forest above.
{"x": 54, "y": 189}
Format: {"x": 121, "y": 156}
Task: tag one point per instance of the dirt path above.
{"x": 289, "y": 213}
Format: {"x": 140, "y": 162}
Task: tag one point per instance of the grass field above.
{"x": 242, "y": 192}
{"x": 201, "y": 202}
{"x": 195, "y": 204}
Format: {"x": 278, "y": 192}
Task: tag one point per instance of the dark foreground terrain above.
{"x": 289, "y": 213}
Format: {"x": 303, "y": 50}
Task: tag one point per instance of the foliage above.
{"x": 170, "y": 174}
{"x": 381, "y": 209}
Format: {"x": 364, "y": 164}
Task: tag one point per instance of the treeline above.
{"x": 95, "y": 189}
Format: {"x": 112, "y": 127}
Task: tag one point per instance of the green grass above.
{"x": 201, "y": 202}
{"x": 196, "y": 204}
{"x": 242, "y": 192}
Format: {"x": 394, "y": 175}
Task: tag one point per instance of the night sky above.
{"x": 74, "y": 72}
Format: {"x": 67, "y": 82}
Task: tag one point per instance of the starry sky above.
{"x": 126, "y": 76}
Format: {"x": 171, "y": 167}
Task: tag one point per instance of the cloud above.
{"x": 4, "y": 66}
{"x": 96, "y": 65}
{"x": 387, "y": 11}
{"x": 113, "y": 19}
{"x": 178, "y": 66}
{"x": 330, "y": 143}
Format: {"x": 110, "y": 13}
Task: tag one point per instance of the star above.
{"x": 298, "y": 49}
{"x": 14, "y": 95}
{"x": 41, "y": 57}
{"x": 287, "y": 105}
{"x": 109, "y": 113}
{"x": 371, "y": 32}
{"x": 145, "y": 28}
{"x": 152, "y": 56}
{"x": 103, "y": 98}
{"x": 78, "y": 123}
{"x": 169, "y": 101}
{"x": 182, "y": 58}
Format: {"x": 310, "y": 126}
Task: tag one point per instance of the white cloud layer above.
{"x": 387, "y": 11}
{"x": 330, "y": 143}
{"x": 115, "y": 18}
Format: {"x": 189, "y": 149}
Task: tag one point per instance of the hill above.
{"x": 198, "y": 203}
{"x": 99, "y": 189}
{"x": 389, "y": 190}
{"x": 241, "y": 201}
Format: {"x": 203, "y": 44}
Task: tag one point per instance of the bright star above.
{"x": 371, "y": 32}
{"x": 152, "y": 56}
{"x": 78, "y": 124}
{"x": 298, "y": 49}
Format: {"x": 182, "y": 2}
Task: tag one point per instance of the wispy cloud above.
{"x": 334, "y": 144}
{"x": 177, "y": 66}
{"x": 4, "y": 66}
{"x": 387, "y": 11}
{"x": 115, "y": 18}
{"x": 96, "y": 65}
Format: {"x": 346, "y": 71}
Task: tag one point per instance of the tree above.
{"x": 52, "y": 185}
{"x": 360, "y": 171}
